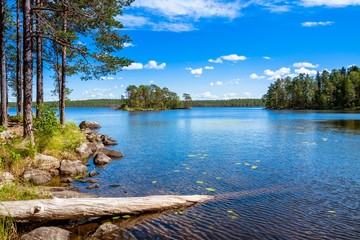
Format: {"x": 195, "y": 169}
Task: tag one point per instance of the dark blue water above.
{"x": 290, "y": 175}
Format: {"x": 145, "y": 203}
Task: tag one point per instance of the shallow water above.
{"x": 286, "y": 174}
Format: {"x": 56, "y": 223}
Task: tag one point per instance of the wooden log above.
{"x": 74, "y": 208}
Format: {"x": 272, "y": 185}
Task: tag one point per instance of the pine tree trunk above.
{"x": 39, "y": 63}
{"x": 63, "y": 76}
{"x": 28, "y": 121}
{"x": 19, "y": 100}
{"x": 3, "y": 85}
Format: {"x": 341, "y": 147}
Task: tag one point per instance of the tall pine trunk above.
{"x": 28, "y": 121}
{"x": 19, "y": 94}
{"x": 39, "y": 62}
{"x": 3, "y": 85}
{"x": 62, "y": 86}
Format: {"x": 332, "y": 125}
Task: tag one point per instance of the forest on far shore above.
{"x": 335, "y": 90}
{"x": 117, "y": 103}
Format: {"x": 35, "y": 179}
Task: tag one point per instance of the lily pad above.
{"x": 126, "y": 216}
{"x": 199, "y": 182}
{"x": 210, "y": 189}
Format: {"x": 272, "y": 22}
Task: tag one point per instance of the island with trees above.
{"x": 335, "y": 90}
{"x": 152, "y": 97}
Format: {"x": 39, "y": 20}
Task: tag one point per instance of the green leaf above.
{"x": 254, "y": 167}
{"x": 126, "y": 216}
{"x": 210, "y": 189}
{"x": 230, "y": 211}
{"x": 199, "y": 182}
{"x": 115, "y": 218}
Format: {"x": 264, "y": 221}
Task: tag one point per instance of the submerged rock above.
{"x": 101, "y": 159}
{"x": 111, "y": 153}
{"x": 93, "y": 186}
{"x": 36, "y": 176}
{"x": 107, "y": 231}
{"x": 93, "y": 173}
{"x": 108, "y": 141}
{"x": 72, "y": 168}
{"x": 89, "y": 124}
{"x": 47, "y": 233}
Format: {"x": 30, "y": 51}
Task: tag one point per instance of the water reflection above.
{"x": 343, "y": 124}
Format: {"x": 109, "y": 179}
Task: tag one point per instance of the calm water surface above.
{"x": 287, "y": 175}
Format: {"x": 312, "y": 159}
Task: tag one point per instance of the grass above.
{"x": 8, "y": 229}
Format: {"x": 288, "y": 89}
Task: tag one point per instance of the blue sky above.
{"x": 217, "y": 49}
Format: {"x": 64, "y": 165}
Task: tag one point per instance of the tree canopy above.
{"x": 52, "y": 33}
{"x": 338, "y": 89}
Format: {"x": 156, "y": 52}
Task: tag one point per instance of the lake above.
{"x": 285, "y": 174}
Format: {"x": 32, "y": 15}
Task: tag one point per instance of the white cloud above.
{"x": 128, "y": 45}
{"x": 230, "y": 96}
{"x": 305, "y": 64}
{"x": 277, "y": 6}
{"x": 255, "y": 76}
{"x": 191, "y": 8}
{"x": 197, "y": 71}
{"x": 218, "y": 83}
{"x": 278, "y": 73}
{"x": 231, "y": 57}
{"x": 247, "y": 94}
{"x": 314, "y": 24}
{"x": 207, "y": 95}
{"x": 107, "y": 78}
{"x": 134, "y": 66}
{"x": 267, "y": 58}
{"x": 329, "y": 3}
{"x": 98, "y": 93}
{"x": 131, "y": 21}
{"x": 209, "y": 68}
{"x": 154, "y": 65}
{"x": 305, "y": 71}
{"x": 173, "y": 27}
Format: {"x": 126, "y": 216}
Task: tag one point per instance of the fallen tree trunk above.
{"x": 74, "y": 208}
